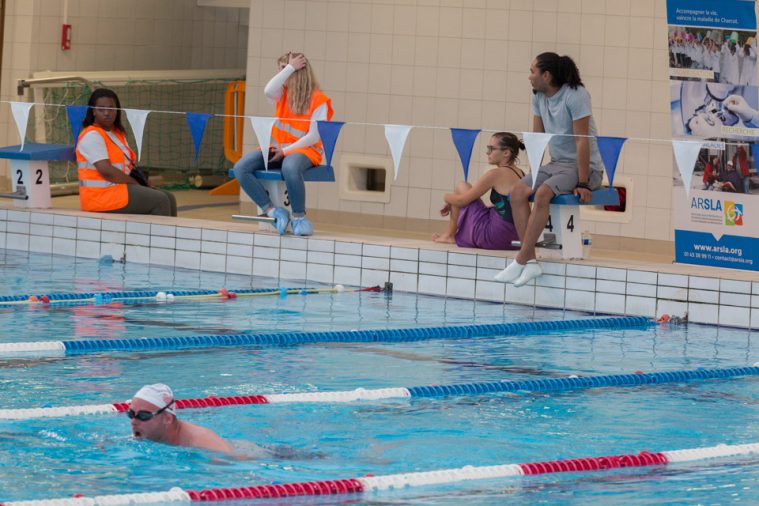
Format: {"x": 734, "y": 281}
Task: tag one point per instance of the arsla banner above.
{"x": 714, "y": 100}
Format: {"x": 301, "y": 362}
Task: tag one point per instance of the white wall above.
{"x": 116, "y": 35}
{"x": 464, "y": 63}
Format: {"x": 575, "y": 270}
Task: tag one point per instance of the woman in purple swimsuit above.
{"x": 473, "y": 224}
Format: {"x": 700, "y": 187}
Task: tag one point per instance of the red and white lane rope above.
{"x": 358, "y": 394}
{"x": 406, "y": 480}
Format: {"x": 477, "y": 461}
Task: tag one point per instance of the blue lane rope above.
{"x": 352, "y": 336}
{"x": 573, "y": 383}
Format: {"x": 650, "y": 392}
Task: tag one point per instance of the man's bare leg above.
{"x": 520, "y": 207}
{"x": 525, "y": 267}
{"x": 536, "y": 224}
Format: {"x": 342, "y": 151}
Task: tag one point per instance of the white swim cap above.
{"x": 157, "y": 394}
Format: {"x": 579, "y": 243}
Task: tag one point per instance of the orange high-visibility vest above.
{"x": 290, "y": 126}
{"x": 95, "y": 192}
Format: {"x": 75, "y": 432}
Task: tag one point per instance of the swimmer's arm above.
{"x": 202, "y": 437}
{"x": 217, "y": 444}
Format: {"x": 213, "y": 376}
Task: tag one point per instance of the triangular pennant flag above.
{"x": 610, "y": 148}
{"x": 262, "y": 128}
{"x": 686, "y": 154}
{"x": 76, "y": 114}
{"x": 137, "y": 119}
{"x": 197, "y": 123}
{"x": 21, "y": 117}
{"x": 396, "y": 138}
{"x": 464, "y": 139}
{"x": 535, "y": 144}
{"x": 328, "y": 131}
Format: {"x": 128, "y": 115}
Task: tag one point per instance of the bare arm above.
{"x": 112, "y": 174}
{"x": 201, "y": 437}
{"x": 478, "y": 189}
{"x": 580, "y": 128}
{"x": 218, "y": 444}
{"x": 537, "y": 124}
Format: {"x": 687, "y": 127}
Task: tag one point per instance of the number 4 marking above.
{"x": 571, "y": 223}
{"x": 549, "y": 225}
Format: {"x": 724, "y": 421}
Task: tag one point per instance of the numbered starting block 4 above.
{"x": 564, "y": 231}
{"x": 274, "y": 183}
{"x": 30, "y": 173}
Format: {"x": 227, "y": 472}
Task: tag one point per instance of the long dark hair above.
{"x": 89, "y": 117}
{"x": 562, "y": 68}
{"x": 510, "y": 141}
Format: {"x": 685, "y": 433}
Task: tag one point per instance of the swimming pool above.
{"x": 96, "y": 455}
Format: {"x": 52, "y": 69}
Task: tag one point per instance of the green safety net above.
{"x": 167, "y": 146}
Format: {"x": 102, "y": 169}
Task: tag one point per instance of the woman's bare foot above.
{"x": 443, "y": 238}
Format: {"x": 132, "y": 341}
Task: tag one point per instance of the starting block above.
{"x": 564, "y": 229}
{"x": 30, "y": 174}
{"x": 274, "y": 184}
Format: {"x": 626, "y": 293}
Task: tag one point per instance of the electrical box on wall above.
{"x": 65, "y": 37}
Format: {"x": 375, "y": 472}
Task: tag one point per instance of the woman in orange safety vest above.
{"x": 296, "y": 145}
{"x": 105, "y": 161}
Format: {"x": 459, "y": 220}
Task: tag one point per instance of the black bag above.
{"x": 139, "y": 176}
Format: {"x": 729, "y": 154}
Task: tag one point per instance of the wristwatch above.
{"x": 583, "y": 185}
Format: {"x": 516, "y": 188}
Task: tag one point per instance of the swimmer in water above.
{"x": 153, "y": 419}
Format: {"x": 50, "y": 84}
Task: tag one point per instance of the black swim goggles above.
{"x": 144, "y": 416}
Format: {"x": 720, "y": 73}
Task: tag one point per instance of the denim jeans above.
{"x": 293, "y": 166}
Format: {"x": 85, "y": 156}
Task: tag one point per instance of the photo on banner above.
{"x": 708, "y": 110}
{"x": 726, "y": 56}
{"x": 714, "y": 98}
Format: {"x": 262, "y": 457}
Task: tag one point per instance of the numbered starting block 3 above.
{"x": 274, "y": 183}
{"x": 564, "y": 231}
{"x": 30, "y": 173}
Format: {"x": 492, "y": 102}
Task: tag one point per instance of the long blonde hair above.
{"x": 300, "y": 86}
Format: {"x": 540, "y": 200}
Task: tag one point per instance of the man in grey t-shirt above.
{"x": 561, "y": 106}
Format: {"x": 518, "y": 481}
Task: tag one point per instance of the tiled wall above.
{"x": 464, "y": 63}
{"x": 115, "y": 35}
{"x": 230, "y": 248}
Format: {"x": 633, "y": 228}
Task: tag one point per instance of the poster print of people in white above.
{"x": 721, "y": 56}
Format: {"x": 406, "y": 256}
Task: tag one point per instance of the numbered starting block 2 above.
{"x": 564, "y": 228}
{"x": 274, "y": 183}
{"x": 30, "y": 173}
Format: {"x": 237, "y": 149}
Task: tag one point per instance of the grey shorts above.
{"x": 561, "y": 177}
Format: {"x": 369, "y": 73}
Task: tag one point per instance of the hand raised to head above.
{"x": 297, "y": 60}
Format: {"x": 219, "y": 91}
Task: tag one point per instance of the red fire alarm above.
{"x": 66, "y": 37}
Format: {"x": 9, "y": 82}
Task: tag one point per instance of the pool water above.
{"x": 95, "y": 455}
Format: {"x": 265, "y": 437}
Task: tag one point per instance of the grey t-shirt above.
{"x": 558, "y": 112}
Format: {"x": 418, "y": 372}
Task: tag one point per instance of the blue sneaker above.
{"x": 301, "y": 226}
{"x": 281, "y": 219}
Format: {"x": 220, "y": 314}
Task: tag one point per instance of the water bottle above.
{"x": 587, "y": 242}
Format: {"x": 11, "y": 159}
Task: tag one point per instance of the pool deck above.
{"x": 205, "y": 237}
